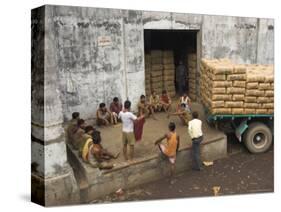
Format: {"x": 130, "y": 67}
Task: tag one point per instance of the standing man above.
{"x": 128, "y": 137}
{"x": 181, "y": 78}
{"x": 195, "y": 132}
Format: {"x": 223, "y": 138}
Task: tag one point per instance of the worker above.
{"x": 170, "y": 148}
{"x": 183, "y": 114}
{"x": 104, "y": 116}
{"x": 115, "y": 108}
{"x": 181, "y": 78}
{"x": 78, "y": 133}
{"x": 195, "y": 132}
{"x": 144, "y": 108}
{"x": 128, "y": 137}
{"x": 165, "y": 101}
{"x": 71, "y": 125}
{"x": 155, "y": 102}
{"x": 185, "y": 100}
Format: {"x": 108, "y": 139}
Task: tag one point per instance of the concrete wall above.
{"x": 53, "y": 181}
{"x": 90, "y": 73}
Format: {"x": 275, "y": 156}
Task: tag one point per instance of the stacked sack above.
{"x": 191, "y": 64}
{"x": 227, "y": 88}
{"x": 259, "y": 97}
{"x": 147, "y": 74}
{"x": 156, "y": 71}
{"x": 169, "y": 72}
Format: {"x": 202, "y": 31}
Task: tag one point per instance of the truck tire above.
{"x": 258, "y": 138}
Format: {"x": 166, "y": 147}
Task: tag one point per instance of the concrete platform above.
{"x": 147, "y": 166}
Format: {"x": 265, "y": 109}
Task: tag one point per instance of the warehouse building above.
{"x": 83, "y": 56}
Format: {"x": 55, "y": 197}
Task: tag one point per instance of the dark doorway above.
{"x": 180, "y": 42}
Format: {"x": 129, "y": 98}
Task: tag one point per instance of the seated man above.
{"x": 70, "y": 127}
{"x": 170, "y": 148}
{"x": 86, "y": 137}
{"x": 165, "y": 101}
{"x": 115, "y": 108}
{"x": 185, "y": 100}
{"x": 94, "y": 153}
{"x": 183, "y": 114}
{"x": 78, "y": 133}
{"x": 104, "y": 116}
{"x": 145, "y": 109}
{"x": 155, "y": 102}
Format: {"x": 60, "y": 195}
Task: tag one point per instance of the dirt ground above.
{"x": 240, "y": 173}
{"x": 153, "y": 129}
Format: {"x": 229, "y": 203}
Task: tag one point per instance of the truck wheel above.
{"x": 258, "y": 138}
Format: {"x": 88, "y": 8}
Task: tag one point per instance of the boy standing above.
{"x": 128, "y": 137}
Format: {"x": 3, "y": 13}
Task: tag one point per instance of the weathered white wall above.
{"x": 90, "y": 74}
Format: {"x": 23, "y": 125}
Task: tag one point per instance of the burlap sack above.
{"x": 270, "y": 111}
{"x": 217, "y": 104}
{"x": 249, "y": 111}
{"x": 255, "y": 93}
{"x": 218, "y": 90}
{"x": 264, "y": 86}
{"x": 225, "y": 97}
{"x": 214, "y": 77}
{"x": 263, "y": 100}
{"x": 156, "y": 74}
{"x": 168, "y": 60}
{"x": 241, "y": 77}
{"x": 250, "y": 99}
{"x": 169, "y": 66}
{"x": 237, "y": 111}
{"x": 168, "y": 72}
{"x": 168, "y": 84}
{"x": 158, "y": 67}
{"x": 269, "y": 78}
{"x": 169, "y": 78}
{"x": 156, "y": 61}
{"x": 251, "y": 105}
{"x": 261, "y": 111}
{"x": 156, "y": 85}
{"x": 269, "y": 93}
{"x": 233, "y": 90}
{"x": 252, "y": 85}
{"x": 221, "y": 84}
{"x": 239, "y": 69}
{"x": 238, "y": 97}
{"x": 240, "y": 84}
{"x": 255, "y": 78}
{"x": 268, "y": 105}
{"x": 234, "y": 104}
{"x": 221, "y": 111}
{"x": 156, "y": 79}
{"x": 221, "y": 69}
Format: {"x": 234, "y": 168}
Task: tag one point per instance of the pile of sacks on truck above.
{"x": 229, "y": 88}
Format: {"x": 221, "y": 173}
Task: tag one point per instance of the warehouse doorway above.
{"x": 164, "y": 51}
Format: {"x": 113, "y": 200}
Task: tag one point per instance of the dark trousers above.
{"x": 196, "y": 160}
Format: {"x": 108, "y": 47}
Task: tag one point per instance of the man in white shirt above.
{"x": 128, "y": 136}
{"x": 195, "y": 132}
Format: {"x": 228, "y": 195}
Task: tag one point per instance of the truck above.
{"x": 254, "y": 130}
